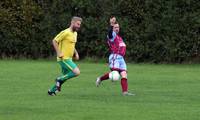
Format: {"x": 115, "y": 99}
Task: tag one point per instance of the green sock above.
{"x": 66, "y": 76}
{"x": 53, "y": 88}
{"x": 63, "y": 79}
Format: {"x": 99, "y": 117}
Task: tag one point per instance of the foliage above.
{"x": 154, "y": 30}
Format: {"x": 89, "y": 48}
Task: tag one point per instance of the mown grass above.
{"x": 163, "y": 92}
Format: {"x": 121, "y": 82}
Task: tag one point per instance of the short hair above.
{"x": 116, "y": 22}
{"x": 75, "y": 18}
{"x": 112, "y": 16}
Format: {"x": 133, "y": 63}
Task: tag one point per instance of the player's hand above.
{"x": 60, "y": 55}
{"x": 76, "y": 57}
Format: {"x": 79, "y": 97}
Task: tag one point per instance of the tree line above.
{"x": 154, "y": 30}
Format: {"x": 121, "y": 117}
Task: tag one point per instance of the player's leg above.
{"x": 124, "y": 83}
{"x": 101, "y": 78}
{"x": 53, "y": 89}
{"x": 71, "y": 70}
{"x": 124, "y": 79}
{"x": 112, "y": 64}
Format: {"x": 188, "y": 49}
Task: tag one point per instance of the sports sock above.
{"x": 62, "y": 79}
{"x": 124, "y": 84}
{"x": 105, "y": 76}
{"x": 53, "y": 88}
{"x": 65, "y": 77}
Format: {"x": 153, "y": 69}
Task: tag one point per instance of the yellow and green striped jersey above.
{"x": 66, "y": 40}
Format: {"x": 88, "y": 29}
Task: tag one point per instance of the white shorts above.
{"x": 117, "y": 62}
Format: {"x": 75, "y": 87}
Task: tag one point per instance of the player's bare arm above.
{"x": 55, "y": 45}
{"x": 76, "y": 55}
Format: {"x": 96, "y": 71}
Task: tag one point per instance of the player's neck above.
{"x": 70, "y": 28}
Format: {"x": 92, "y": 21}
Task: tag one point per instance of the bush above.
{"x": 154, "y": 31}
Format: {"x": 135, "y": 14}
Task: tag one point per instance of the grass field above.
{"x": 163, "y": 92}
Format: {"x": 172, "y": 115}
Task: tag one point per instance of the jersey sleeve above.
{"x": 110, "y": 30}
{"x": 113, "y": 36}
{"x": 60, "y": 36}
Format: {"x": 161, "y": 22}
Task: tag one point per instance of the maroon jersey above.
{"x": 116, "y": 44}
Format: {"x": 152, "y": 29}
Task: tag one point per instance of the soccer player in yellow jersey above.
{"x": 64, "y": 44}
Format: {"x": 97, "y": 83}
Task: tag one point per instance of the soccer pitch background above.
{"x": 163, "y": 92}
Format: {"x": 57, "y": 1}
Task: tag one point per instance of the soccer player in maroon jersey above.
{"x": 116, "y": 58}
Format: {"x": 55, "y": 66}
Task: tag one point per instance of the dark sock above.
{"x": 105, "y": 76}
{"x": 124, "y": 84}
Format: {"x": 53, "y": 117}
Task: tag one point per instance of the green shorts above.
{"x": 67, "y": 65}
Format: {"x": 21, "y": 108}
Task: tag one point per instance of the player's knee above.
{"x": 123, "y": 74}
{"x": 77, "y": 72}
